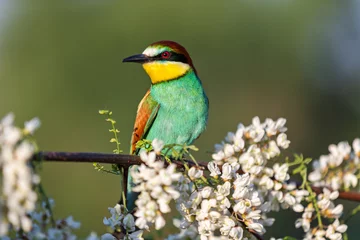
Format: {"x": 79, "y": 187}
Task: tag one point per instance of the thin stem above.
{"x": 47, "y": 204}
{"x": 186, "y": 166}
{"x": 312, "y": 195}
{"x": 101, "y": 168}
{"x": 192, "y": 157}
{"x": 115, "y": 135}
{"x": 42, "y": 191}
{"x": 352, "y": 213}
{"x": 125, "y": 172}
{"x": 124, "y": 199}
{"x": 314, "y": 202}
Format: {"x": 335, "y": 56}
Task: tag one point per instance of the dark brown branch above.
{"x": 125, "y": 160}
{"x": 86, "y": 157}
{"x": 351, "y": 196}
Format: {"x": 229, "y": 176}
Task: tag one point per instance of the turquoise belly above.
{"x": 183, "y": 111}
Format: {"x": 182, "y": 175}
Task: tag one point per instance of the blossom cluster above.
{"x": 337, "y": 170}
{"x": 340, "y": 168}
{"x": 19, "y": 210}
{"x": 17, "y": 196}
{"x": 243, "y": 185}
{"x": 122, "y": 222}
{"x": 326, "y": 210}
{"x": 229, "y": 208}
{"x": 231, "y": 200}
{"x": 155, "y": 183}
{"x": 45, "y": 227}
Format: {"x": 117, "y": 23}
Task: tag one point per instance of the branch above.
{"x": 351, "y": 196}
{"x": 126, "y": 161}
{"x": 123, "y": 160}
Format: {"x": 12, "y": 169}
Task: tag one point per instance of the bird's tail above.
{"x": 131, "y": 196}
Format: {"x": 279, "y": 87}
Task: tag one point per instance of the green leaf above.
{"x": 193, "y": 147}
{"x": 102, "y": 112}
{"x": 298, "y": 169}
{"x": 307, "y": 160}
{"x": 289, "y": 238}
{"x": 115, "y": 168}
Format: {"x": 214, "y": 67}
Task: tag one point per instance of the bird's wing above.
{"x": 146, "y": 113}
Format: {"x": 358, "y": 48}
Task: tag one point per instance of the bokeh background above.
{"x": 61, "y": 61}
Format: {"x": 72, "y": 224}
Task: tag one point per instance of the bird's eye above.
{"x": 166, "y": 55}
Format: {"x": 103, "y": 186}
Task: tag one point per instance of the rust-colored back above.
{"x": 146, "y": 113}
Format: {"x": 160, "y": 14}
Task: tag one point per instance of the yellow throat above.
{"x": 164, "y": 71}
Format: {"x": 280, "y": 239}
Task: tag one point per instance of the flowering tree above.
{"x": 228, "y": 197}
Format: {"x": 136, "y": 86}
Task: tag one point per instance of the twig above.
{"x": 125, "y": 161}
{"x": 351, "y": 196}
{"x": 47, "y": 204}
{"x": 255, "y": 234}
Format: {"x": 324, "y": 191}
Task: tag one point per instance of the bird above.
{"x": 175, "y": 108}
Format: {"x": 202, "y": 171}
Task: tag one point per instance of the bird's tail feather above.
{"x": 131, "y": 196}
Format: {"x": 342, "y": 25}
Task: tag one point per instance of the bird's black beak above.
{"x": 138, "y": 58}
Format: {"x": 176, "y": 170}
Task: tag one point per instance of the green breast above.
{"x": 183, "y": 111}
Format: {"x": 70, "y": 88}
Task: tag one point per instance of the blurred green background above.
{"x": 61, "y": 61}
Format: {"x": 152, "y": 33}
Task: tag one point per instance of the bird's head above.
{"x": 164, "y": 61}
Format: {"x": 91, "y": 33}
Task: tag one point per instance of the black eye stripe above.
{"x": 176, "y": 57}
{"x": 179, "y": 58}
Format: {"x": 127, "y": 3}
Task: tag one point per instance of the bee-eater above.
{"x": 175, "y": 108}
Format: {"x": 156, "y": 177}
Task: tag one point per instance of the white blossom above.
{"x": 155, "y": 184}
{"x": 281, "y": 172}
{"x": 282, "y": 141}
{"x": 236, "y": 233}
{"x": 213, "y": 168}
{"x": 226, "y": 172}
{"x": 195, "y": 173}
{"x": 32, "y": 125}
{"x": 43, "y": 228}
{"x": 335, "y": 230}
{"x": 339, "y": 168}
{"x": 350, "y": 180}
{"x": 120, "y": 218}
{"x": 315, "y": 176}
{"x": 18, "y": 197}
{"x": 129, "y": 223}
{"x": 157, "y": 145}
{"x": 257, "y": 227}
{"x": 356, "y": 146}
{"x": 185, "y": 233}
{"x": 256, "y": 130}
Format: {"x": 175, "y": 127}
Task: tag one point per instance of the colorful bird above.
{"x": 175, "y": 108}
